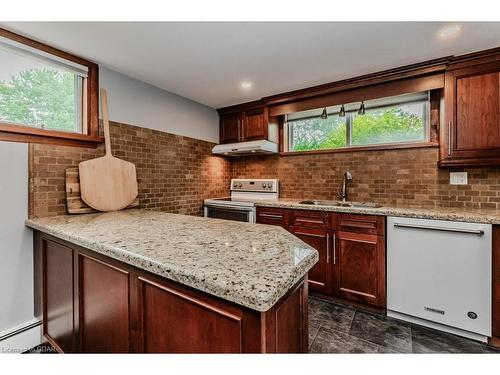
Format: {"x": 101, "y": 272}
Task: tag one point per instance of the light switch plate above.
{"x": 458, "y": 178}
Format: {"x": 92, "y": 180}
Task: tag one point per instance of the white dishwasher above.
{"x": 439, "y": 275}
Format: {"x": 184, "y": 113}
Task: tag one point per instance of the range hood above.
{"x": 246, "y": 148}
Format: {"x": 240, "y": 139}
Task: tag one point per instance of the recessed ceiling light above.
{"x": 246, "y": 85}
{"x": 449, "y": 31}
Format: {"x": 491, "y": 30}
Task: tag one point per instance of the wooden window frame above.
{"x": 90, "y": 122}
{"x": 432, "y": 140}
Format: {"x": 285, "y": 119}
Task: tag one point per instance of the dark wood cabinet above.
{"x": 351, "y": 248}
{"x": 311, "y": 219}
{"x": 320, "y": 276}
{"x": 359, "y": 263}
{"x": 95, "y": 304}
{"x": 242, "y": 125}
{"x": 230, "y": 128}
{"x": 470, "y": 135}
{"x": 103, "y": 327}
{"x": 273, "y": 216}
{"x": 255, "y": 124}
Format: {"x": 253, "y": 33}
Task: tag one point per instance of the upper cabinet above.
{"x": 241, "y": 124}
{"x": 230, "y": 128}
{"x": 470, "y": 134}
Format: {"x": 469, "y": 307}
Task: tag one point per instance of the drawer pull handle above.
{"x": 310, "y": 221}
{"x": 271, "y": 216}
{"x": 442, "y": 229}
{"x": 449, "y": 138}
{"x": 334, "y": 249}
{"x": 327, "y": 248}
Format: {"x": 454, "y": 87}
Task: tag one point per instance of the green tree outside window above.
{"x": 41, "y": 97}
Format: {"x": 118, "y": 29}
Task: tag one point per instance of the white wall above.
{"x": 136, "y": 103}
{"x": 16, "y": 243}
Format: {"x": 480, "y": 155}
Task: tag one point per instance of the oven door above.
{"x": 235, "y": 213}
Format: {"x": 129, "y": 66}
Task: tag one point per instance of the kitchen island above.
{"x": 144, "y": 281}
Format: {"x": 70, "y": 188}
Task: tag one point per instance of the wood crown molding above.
{"x": 241, "y": 107}
{"x": 408, "y": 71}
{"x": 480, "y": 57}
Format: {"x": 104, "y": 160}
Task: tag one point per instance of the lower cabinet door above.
{"x": 58, "y": 324}
{"x": 176, "y": 320}
{"x": 360, "y": 268}
{"x": 320, "y": 276}
{"x": 104, "y": 306}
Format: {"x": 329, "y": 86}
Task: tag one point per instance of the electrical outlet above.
{"x": 458, "y": 178}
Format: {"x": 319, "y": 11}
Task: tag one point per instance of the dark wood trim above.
{"x": 359, "y": 93}
{"x": 398, "y": 146}
{"x": 420, "y": 69}
{"x": 26, "y": 134}
{"x": 468, "y": 162}
{"x": 435, "y": 115}
{"x": 256, "y": 104}
{"x": 474, "y": 58}
{"x": 91, "y": 138}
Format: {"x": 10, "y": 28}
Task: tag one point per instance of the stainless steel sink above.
{"x": 341, "y": 204}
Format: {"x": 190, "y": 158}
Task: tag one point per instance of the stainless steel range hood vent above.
{"x": 246, "y": 148}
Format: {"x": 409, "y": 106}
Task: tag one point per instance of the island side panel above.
{"x": 285, "y": 325}
{"x": 120, "y": 308}
{"x": 58, "y": 295}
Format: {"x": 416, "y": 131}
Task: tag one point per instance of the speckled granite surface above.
{"x": 252, "y": 265}
{"x": 435, "y": 213}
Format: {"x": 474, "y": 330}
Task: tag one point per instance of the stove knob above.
{"x": 263, "y": 185}
{"x": 240, "y": 185}
{"x": 269, "y": 185}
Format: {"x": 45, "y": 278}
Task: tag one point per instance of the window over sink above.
{"x": 402, "y": 119}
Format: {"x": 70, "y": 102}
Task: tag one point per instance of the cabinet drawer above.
{"x": 273, "y": 216}
{"x": 313, "y": 219}
{"x": 370, "y": 224}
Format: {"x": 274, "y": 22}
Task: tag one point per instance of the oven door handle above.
{"x": 233, "y": 208}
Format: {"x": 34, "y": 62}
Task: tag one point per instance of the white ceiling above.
{"x": 207, "y": 62}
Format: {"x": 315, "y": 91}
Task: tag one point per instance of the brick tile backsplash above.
{"x": 408, "y": 177}
{"x": 174, "y": 173}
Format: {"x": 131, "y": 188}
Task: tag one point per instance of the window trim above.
{"x": 431, "y": 134}
{"x": 90, "y": 117}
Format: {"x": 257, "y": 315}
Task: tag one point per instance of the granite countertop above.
{"x": 485, "y": 216}
{"x": 253, "y": 265}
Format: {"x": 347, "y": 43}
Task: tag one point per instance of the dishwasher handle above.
{"x": 442, "y": 229}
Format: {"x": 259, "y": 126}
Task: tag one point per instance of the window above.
{"x": 395, "y": 120}
{"x": 39, "y": 92}
{"x": 46, "y": 95}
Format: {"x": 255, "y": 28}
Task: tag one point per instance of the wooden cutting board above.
{"x": 74, "y": 202}
{"x": 107, "y": 183}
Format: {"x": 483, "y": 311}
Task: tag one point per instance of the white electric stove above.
{"x": 240, "y": 206}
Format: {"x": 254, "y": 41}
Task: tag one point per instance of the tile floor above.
{"x": 335, "y": 328}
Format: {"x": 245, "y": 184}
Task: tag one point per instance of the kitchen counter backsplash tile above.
{"x": 174, "y": 173}
{"x": 405, "y": 177}
{"x": 250, "y": 264}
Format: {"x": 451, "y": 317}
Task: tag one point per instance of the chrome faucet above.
{"x": 343, "y": 191}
